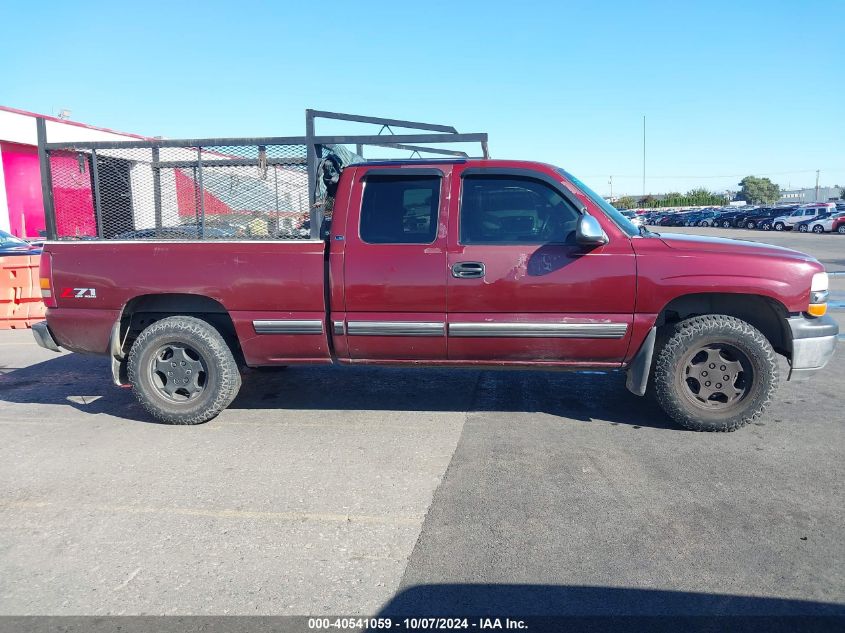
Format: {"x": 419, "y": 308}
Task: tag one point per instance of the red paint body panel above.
{"x": 627, "y": 281}
{"x": 540, "y": 349}
{"x": 554, "y": 283}
{"x": 403, "y": 348}
{"x": 82, "y": 330}
{"x": 393, "y": 282}
{"x": 280, "y": 349}
{"x": 392, "y": 278}
{"x": 676, "y": 265}
{"x": 272, "y": 280}
{"x": 643, "y": 322}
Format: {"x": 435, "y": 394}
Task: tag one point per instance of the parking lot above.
{"x": 375, "y": 490}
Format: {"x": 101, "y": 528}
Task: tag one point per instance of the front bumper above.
{"x": 813, "y": 343}
{"x": 44, "y": 337}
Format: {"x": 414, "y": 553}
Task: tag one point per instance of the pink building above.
{"x": 21, "y": 207}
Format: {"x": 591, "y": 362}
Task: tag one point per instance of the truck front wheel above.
{"x": 715, "y": 373}
{"x": 182, "y": 371}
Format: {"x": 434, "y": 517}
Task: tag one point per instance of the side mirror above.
{"x": 589, "y": 232}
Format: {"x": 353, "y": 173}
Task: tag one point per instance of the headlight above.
{"x": 818, "y": 295}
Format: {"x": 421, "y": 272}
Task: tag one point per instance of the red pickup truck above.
{"x": 453, "y": 262}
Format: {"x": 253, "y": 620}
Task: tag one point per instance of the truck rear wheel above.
{"x": 715, "y": 373}
{"x": 182, "y": 371}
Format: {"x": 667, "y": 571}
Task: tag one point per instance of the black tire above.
{"x": 750, "y": 225}
{"x": 205, "y": 364}
{"x": 841, "y": 229}
{"x": 738, "y": 344}
{"x": 802, "y": 228}
{"x": 726, "y": 224}
{"x": 818, "y": 229}
{"x": 779, "y": 226}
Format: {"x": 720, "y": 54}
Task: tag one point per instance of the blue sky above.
{"x": 728, "y": 88}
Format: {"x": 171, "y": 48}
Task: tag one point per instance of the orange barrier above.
{"x": 20, "y": 292}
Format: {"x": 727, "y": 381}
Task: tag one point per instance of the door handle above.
{"x": 468, "y": 270}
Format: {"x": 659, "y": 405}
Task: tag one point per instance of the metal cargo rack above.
{"x": 213, "y": 188}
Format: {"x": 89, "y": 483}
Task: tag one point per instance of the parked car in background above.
{"x": 186, "y": 232}
{"x": 11, "y": 245}
{"x": 838, "y": 226}
{"x": 824, "y": 224}
{"x": 636, "y": 220}
{"x": 728, "y": 217}
{"x": 764, "y": 222}
{"x": 748, "y": 218}
{"x": 653, "y": 218}
{"x": 804, "y": 225}
{"x": 690, "y": 218}
{"x": 804, "y": 212}
{"x": 673, "y": 219}
{"x": 708, "y": 217}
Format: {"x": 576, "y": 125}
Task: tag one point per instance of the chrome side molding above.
{"x": 538, "y": 330}
{"x": 395, "y": 328}
{"x": 288, "y": 326}
{"x": 484, "y": 330}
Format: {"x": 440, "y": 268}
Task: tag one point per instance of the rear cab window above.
{"x": 400, "y": 209}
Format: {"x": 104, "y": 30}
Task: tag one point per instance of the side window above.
{"x": 514, "y": 210}
{"x": 400, "y": 209}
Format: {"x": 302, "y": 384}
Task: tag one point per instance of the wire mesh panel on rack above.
{"x": 240, "y": 192}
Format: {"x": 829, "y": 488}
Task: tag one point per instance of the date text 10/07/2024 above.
{"x": 416, "y": 624}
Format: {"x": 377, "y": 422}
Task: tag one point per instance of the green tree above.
{"x": 702, "y": 197}
{"x": 756, "y": 190}
{"x": 842, "y": 193}
{"x": 625, "y": 202}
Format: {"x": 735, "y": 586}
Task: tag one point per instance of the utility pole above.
{"x": 611, "y": 188}
{"x": 643, "y": 156}
{"x": 817, "y": 185}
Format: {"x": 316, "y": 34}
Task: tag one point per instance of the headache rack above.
{"x": 274, "y": 188}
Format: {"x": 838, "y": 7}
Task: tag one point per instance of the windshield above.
{"x": 612, "y": 212}
{"x": 7, "y": 239}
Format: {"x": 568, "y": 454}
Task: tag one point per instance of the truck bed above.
{"x": 265, "y": 286}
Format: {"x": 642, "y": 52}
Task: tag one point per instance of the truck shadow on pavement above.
{"x": 588, "y": 608}
{"x": 84, "y": 383}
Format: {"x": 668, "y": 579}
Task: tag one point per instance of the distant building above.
{"x": 802, "y": 196}
{"x": 21, "y": 205}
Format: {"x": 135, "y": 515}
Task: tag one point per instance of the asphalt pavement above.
{"x": 414, "y": 491}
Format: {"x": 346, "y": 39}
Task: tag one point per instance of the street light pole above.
{"x": 643, "y": 156}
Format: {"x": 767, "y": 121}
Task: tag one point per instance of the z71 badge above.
{"x": 79, "y": 293}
